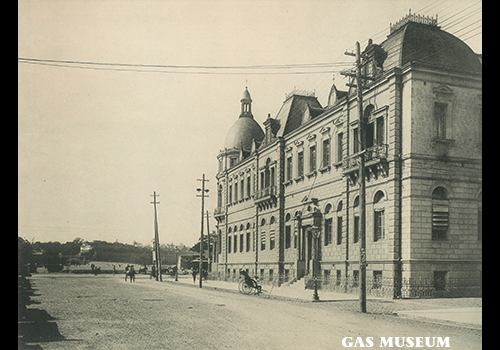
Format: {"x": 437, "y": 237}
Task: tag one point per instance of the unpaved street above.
{"x": 104, "y": 312}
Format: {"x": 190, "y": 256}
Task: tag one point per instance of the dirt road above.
{"x": 105, "y": 312}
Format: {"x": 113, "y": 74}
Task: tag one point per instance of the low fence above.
{"x": 386, "y": 287}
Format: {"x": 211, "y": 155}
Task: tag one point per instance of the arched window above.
{"x": 248, "y": 226}
{"x": 328, "y": 208}
{"x": 328, "y": 225}
{"x": 262, "y": 222}
{"x": 378, "y": 216}
{"x": 440, "y": 213}
{"x": 241, "y": 227}
{"x": 271, "y": 221}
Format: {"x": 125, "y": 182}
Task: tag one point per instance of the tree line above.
{"x": 55, "y": 255}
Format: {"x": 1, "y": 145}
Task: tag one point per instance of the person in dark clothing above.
{"x": 194, "y": 272}
{"x": 131, "y": 273}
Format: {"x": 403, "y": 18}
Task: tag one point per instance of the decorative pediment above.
{"x": 311, "y": 137}
{"x": 325, "y": 129}
{"x": 442, "y": 89}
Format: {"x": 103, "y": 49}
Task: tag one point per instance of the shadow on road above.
{"x": 33, "y": 325}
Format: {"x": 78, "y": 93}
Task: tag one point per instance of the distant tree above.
{"x": 24, "y": 256}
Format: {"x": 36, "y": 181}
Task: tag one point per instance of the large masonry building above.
{"x": 288, "y": 192}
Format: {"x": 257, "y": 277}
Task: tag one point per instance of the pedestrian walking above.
{"x": 194, "y": 272}
{"x": 126, "y": 272}
{"x": 131, "y": 273}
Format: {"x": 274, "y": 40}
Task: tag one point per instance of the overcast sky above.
{"x": 95, "y": 141}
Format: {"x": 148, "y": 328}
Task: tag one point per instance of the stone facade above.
{"x": 288, "y": 204}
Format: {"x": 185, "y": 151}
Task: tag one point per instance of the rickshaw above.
{"x": 249, "y": 285}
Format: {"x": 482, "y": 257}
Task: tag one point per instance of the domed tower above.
{"x": 241, "y": 137}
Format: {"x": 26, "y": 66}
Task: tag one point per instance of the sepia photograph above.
{"x": 235, "y": 174}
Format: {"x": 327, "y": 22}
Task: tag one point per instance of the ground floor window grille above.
{"x": 440, "y": 280}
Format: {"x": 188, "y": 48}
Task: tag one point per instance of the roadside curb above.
{"x": 402, "y": 314}
{"x": 276, "y": 297}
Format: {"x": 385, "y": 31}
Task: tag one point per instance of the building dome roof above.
{"x": 246, "y": 96}
{"x": 242, "y": 133}
{"x": 428, "y": 45}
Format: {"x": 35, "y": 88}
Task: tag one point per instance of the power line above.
{"x": 205, "y": 70}
{"x": 262, "y": 66}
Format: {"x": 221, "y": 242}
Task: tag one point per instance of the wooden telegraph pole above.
{"x": 202, "y": 195}
{"x": 361, "y": 176}
{"x": 157, "y": 241}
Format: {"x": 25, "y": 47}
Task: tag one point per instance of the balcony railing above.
{"x": 373, "y": 154}
{"x": 265, "y": 193}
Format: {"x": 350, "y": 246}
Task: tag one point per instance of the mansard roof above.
{"x": 296, "y": 110}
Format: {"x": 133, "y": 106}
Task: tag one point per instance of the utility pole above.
{"x": 209, "y": 266}
{"x": 202, "y": 190}
{"x": 157, "y": 240}
{"x": 361, "y": 176}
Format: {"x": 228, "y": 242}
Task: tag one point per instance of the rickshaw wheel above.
{"x": 246, "y": 289}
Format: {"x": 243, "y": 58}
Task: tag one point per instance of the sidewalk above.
{"x": 296, "y": 292}
{"x": 469, "y": 317}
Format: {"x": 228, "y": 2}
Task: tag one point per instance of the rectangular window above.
{"x": 312, "y": 159}
{"x": 261, "y": 274}
{"x": 241, "y": 242}
{"x": 377, "y": 279}
{"x": 262, "y": 180}
{"x": 356, "y": 229}
{"x": 263, "y": 241}
{"x": 440, "y": 280}
{"x": 236, "y": 192}
{"x": 370, "y": 135}
{"x": 249, "y": 187}
{"x": 326, "y": 274}
{"x": 380, "y": 131}
{"x": 300, "y": 164}
{"x": 355, "y": 140}
{"x": 289, "y": 172}
{"x": 248, "y": 241}
{"x": 339, "y": 230}
{"x": 287, "y": 275}
{"x": 229, "y": 244}
{"x": 440, "y": 119}
{"x": 271, "y": 275}
{"x": 339, "y": 277}
{"x": 328, "y": 231}
{"x": 379, "y": 232}
{"x": 439, "y": 222}
{"x": 235, "y": 241}
{"x": 340, "y": 146}
{"x": 326, "y": 153}
{"x": 288, "y": 236}
{"x": 232, "y": 161}
{"x": 242, "y": 186}
{"x": 230, "y": 193}
{"x": 272, "y": 241}
{"x": 273, "y": 176}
